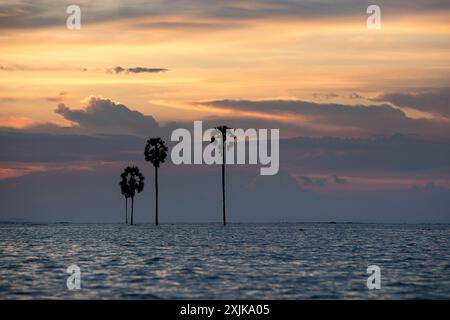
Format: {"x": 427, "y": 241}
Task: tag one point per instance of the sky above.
{"x": 363, "y": 114}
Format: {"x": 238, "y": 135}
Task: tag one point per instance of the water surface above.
{"x": 240, "y": 261}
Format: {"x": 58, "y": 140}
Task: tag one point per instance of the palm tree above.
{"x": 126, "y": 193}
{"x": 132, "y": 183}
{"x": 156, "y": 153}
{"x": 222, "y": 133}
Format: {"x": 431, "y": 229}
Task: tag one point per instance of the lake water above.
{"x": 239, "y": 261}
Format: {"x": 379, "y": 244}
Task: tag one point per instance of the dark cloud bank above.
{"x": 103, "y": 116}
{"x": 111, "y": 133}
{"x": 192, "y": 194}
{"x": 432, "y": 101}
{"x": 354, "y": 120}
{"x": 47, "y": 13}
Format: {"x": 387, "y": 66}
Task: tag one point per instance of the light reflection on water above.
{"x": 240, "y": 261}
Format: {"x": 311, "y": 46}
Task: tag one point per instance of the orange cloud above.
{"x": 8, "y": 171}
{"x": 16, "y": 122}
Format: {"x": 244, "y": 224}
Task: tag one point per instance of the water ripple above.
{"x": 207, "y": 261}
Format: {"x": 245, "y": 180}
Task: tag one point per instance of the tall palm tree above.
{"x": 133, "y": 182}
{"x": 126, "y": 193}
{"x": 222, "y": 133}
{"x": 156, "y": 153}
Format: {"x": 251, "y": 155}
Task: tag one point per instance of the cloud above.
{"x": 313, "y": 182}
{"x": 101, "y": 115}
{"x": 119, "y": 69}
{"x": 57, "y": 98}
{"x": 332, "y": 95}
{"x": 18, "y": 67}
{"x": 395, "y": 154}
{"x": 60, "y": 96}
{"x": 435, "y": 101}
{"x": 329, "y": 119}
{"x": 24, "y": 15}
{"x": 378, "y": 151}
{"x": 320, "y": 180}
{"x": 191, "y": 25}
{"x": 36, "y": 168}
{"x": 47, "y": 13}
{"x": 16, "y": 122}
{"x": 331, "y": 157}
{"x": 19, "y": 146}
{"x": 94, "y": 196}
{"x": 325, "y": 95}
{"x": 339, "y": 180}
{"x": 22, "y": 67}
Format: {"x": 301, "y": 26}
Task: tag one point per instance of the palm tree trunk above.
{"x": 223, "y": 180}
{"x": 132, "y": 209}
{"x": 126, "y": 210}
{"x": 156, "y": 191}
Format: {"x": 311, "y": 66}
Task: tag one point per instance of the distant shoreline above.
{"x": 215, "y": 222}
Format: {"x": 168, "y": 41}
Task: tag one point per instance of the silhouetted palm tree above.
{"x": 126, "y": 193}
{"x": 222, "y": 134}
{"x": 156, "y": 153}
{"x": 133, "y": 182}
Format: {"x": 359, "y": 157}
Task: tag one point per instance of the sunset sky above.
{"x": 310, "y": 68}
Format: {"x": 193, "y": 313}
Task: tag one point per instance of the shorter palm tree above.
{"x": 125, "y": 192}
{"x": 132, "y": 182}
